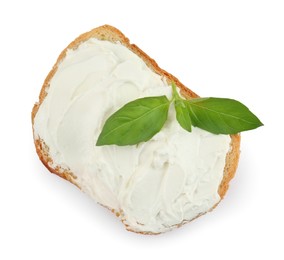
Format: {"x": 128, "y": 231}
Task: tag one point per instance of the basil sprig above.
{"x": 139, "y": 120}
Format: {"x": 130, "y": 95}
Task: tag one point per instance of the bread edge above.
{"x": 110, "y": 33}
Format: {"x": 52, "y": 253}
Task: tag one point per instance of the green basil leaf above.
{"x": 182, "y": 114}
{"x": 221, "y": 115}
{"x": 137, "y": 121}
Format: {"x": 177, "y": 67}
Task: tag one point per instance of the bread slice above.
{"x": 109, "y": 33}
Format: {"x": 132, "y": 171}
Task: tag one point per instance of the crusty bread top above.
{"x": 109, "y": 33}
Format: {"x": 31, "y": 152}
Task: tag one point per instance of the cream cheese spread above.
{"x": 155, "y": 185}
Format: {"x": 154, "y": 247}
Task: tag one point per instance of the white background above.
{"x": 218, "y": 48}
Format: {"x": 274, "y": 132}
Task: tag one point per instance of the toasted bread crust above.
{"x": 109, "y": 33}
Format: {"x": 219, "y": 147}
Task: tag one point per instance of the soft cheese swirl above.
{"x": 156, "y": 185}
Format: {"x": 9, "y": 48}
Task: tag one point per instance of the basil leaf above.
{"x": 182, "y": 114}
{"x": 137, "y": 121}
{"x": 221, "y": 115}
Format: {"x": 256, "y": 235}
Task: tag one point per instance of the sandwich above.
{"x": 155, "y": 184}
